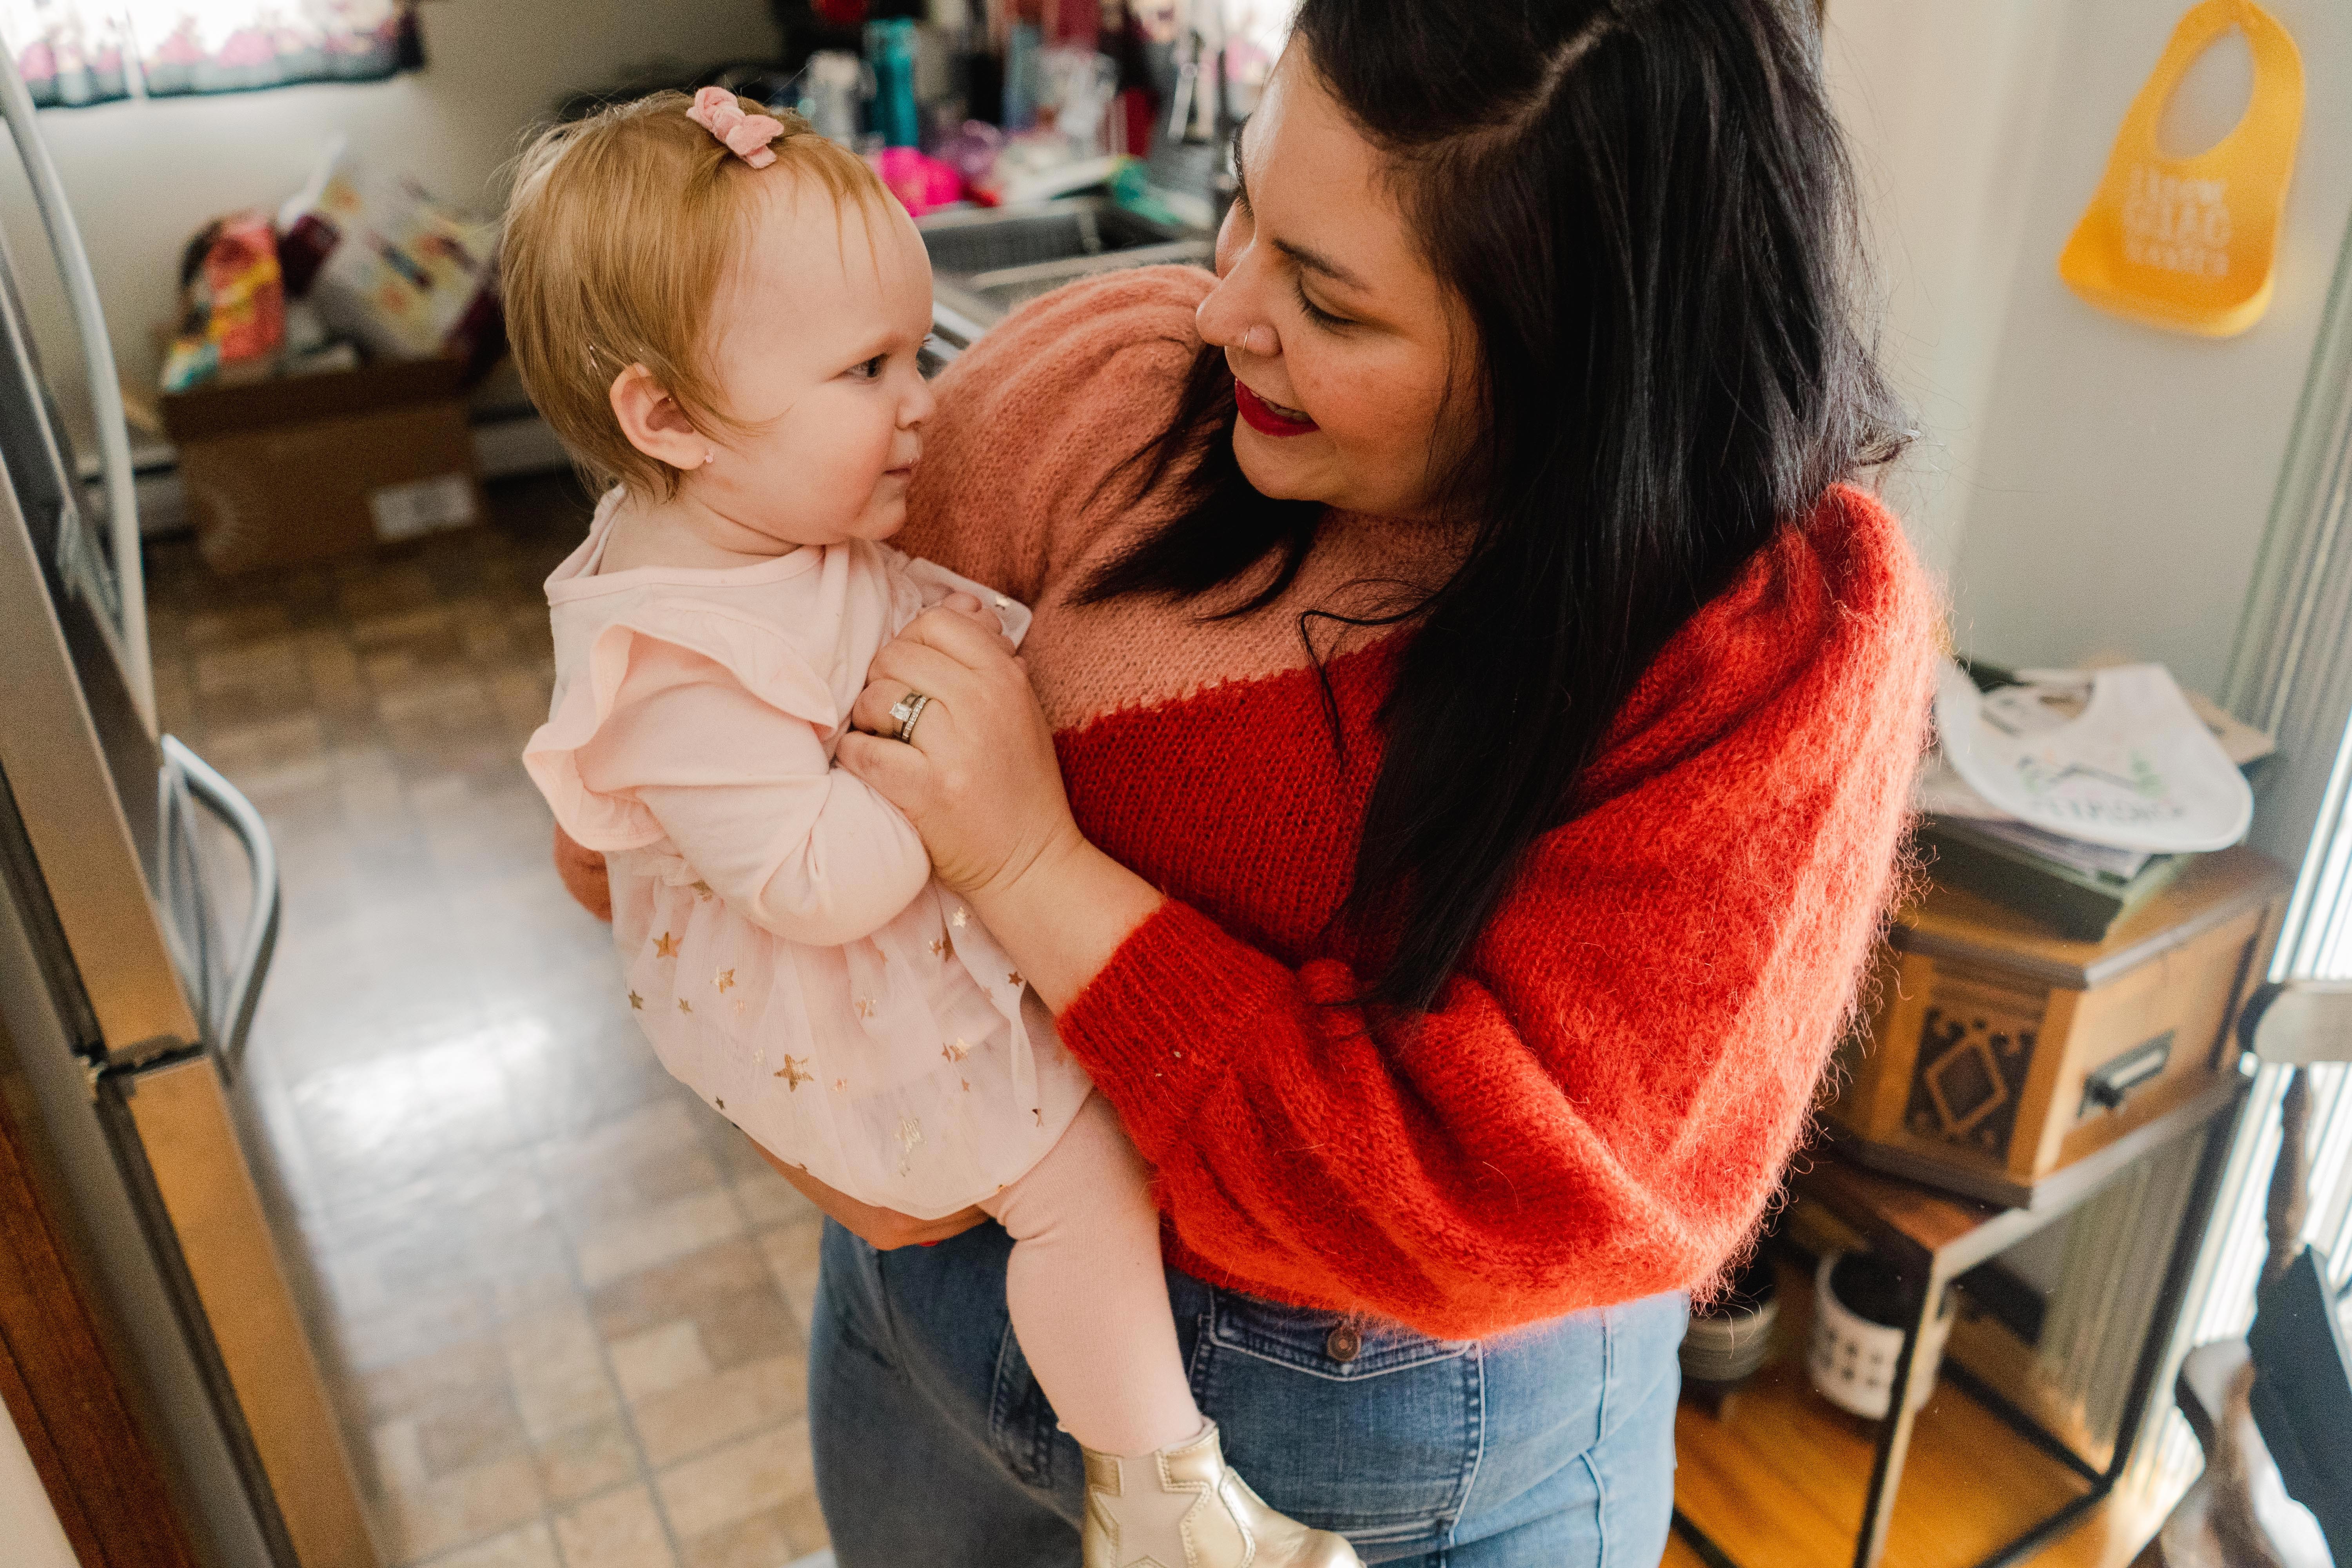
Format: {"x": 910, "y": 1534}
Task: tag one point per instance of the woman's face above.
{"x": 1342, "y": 341}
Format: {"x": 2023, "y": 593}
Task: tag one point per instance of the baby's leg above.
{"x": 1088, "y": 1297}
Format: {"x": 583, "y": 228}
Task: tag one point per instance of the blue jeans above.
{"x": 1553, "y": 1446}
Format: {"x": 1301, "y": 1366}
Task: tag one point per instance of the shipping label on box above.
{"x": 419, "y": 507}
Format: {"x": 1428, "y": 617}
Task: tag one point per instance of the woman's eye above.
{"x": 1316, "y": 313}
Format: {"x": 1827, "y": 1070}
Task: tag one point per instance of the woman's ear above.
{"x": 654, "y": 422}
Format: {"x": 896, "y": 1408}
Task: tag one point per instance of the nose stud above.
{"x": 1260, "y": 340}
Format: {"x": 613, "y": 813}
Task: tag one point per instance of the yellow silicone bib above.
{"x": 2190, "y": 243}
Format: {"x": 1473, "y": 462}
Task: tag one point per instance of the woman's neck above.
{"x": 684, "y": 531}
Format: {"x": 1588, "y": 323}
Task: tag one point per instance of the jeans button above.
{"x": 1344, "y": 1342}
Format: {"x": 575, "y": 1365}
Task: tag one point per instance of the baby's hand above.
{"x": 970, "y": 607}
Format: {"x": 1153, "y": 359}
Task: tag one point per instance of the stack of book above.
{"x": 2079, "y": 889}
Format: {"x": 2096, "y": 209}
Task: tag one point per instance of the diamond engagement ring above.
{"x": 908, "y": 709}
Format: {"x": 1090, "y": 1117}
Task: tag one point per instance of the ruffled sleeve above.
{"x": 754, "y": 655}
{"x": 708, "y": 731}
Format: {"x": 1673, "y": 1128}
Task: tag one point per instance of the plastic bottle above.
{"x": 890, "y": 53}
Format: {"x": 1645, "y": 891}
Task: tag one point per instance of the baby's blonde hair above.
{"x": 617, "y": 237}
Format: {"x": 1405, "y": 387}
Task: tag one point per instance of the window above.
{"x": 76, "y": 52}
{"x": 2292, "y": 675}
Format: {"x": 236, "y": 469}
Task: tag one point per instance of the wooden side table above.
{"x": 1932, "y": 1238}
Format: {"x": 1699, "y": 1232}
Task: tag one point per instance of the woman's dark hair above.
{"x": 1643, "y": 206}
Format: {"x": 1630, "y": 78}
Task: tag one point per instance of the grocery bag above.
{"x": 2190, "y": 243}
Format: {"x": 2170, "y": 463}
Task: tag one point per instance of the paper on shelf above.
{"x": 2096, "y": 859}
{"x": 2134, "y": 768}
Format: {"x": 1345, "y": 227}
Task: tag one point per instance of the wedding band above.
{"x": 908, "y": 709}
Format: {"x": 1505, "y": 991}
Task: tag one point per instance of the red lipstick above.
{"x": 1263, "y": 418}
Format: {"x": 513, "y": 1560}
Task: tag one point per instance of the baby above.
{"x": 720, "y": 311}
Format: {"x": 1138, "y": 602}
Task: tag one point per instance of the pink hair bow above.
{"x": 746, "y": 135}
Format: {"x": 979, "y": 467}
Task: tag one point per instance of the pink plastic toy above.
{"x": 922, "y": 183}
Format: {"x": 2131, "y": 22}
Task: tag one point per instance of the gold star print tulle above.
{"x": 809, "y": 951}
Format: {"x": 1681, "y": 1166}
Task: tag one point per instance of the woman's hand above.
{"x": 583, "y": 874}
{"x": 883, "y": 1230}
{"x": 979, "y": 782}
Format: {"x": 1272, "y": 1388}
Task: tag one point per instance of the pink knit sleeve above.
{"x": 1023, "y": 460}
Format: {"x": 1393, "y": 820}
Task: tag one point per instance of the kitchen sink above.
{"x": 986, "y": 260}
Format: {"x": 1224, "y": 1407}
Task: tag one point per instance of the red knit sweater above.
{"x": 1605, "y": 1097}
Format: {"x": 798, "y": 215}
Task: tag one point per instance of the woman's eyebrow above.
{"x": 1314, "y": 260}
{"x": 1304, "y": 256}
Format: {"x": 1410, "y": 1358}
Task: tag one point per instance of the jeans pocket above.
{"x": 1336, "y": 1345}
{"x": 1365, "y": 1427}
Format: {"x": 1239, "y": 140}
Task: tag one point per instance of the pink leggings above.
{"x": 1088, "y": 1297}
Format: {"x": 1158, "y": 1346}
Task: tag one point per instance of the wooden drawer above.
{"x": 1994, "y": 1053}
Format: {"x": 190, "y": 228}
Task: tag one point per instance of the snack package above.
{"x": 390, "y": 268}
{"x": 232, "y": 305}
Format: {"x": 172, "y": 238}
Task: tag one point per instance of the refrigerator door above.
{"x": 58, "y": 768}
{"x": 146, "y": 993}
{"x": 84, "y": 586}
{"x": 105, "y": 1226}
{"x": 129, "y": 593}
{"x": 180, "y": 1113}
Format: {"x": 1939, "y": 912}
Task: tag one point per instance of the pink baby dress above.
{"x": 783, "y": 945}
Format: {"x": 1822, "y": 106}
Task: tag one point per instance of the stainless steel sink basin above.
{"x": 986, "y": 260}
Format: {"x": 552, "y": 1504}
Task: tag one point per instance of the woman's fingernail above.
{"x": 927, "y": 1244}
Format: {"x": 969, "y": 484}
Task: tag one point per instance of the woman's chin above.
{"x": 1276, "y": 468}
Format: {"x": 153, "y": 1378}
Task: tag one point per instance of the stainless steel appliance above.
{"x": 124, "y": 1001}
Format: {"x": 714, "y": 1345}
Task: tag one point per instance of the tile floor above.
{"x": 564, "y": 1308}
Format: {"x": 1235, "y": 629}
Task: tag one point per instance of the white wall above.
{"x": 143, "y": 177}
{"x": 27, "y": 1521}
{"x": 1941, "y": 103}
{"x": 2091, "y": 484}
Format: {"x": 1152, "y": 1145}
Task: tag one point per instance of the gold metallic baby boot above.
{"x": 1184, "y": 1508}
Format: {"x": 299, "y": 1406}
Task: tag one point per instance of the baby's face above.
{"x": 815, "y": 333}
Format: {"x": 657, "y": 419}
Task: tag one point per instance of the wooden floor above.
{"x": 1776, "y": 1479}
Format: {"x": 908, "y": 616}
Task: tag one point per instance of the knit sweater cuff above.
{"x": 1159, "y": 1024}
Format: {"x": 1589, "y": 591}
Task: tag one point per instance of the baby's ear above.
{"x": 654, "y": 422}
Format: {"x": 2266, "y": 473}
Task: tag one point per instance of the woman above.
{"x": 1453, "y": 784}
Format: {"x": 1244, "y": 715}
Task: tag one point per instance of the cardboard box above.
{"x": 308, "y": 468}
{"x": 1998, "y": 1054}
